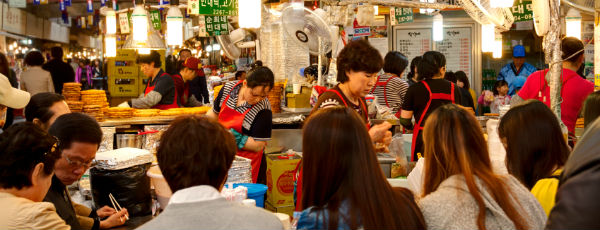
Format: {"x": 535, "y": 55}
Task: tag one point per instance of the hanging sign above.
{"x": 212, "y": 26}
{"x": 155, "y": 19}
{"x": 193, "y": 7}
{"x": 61, "y": 5}
{"x": 83, "y": 25}
{"x": 17, "y": 3}
{"x": 67, "y": 2}
{"x": 102, "y": 2}
{"x": 401, "y": 15}
{"x": 115, "y": 6}
{"x": 360, "y": 31}
{"x": 44, "y": 2}
{"x": 36, "y": 2}
{"x": 65, "y": 17}
{"x": 522, "y": 11}
{"x": 219, "y": 7}
{"x": 124, "y": 23}
{"x": 90, "y": 6}
{"x": 90, "y": 21}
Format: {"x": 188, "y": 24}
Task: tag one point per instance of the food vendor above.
{"x": 188, "y": 71}
{"x": 357, "y": 67}
{"x": 160, "y": 90}
{"x": 517, "y": 68}
{"x": 390, "y": 88}
{"x": 243, "y": 108}
{"x": 431, "y": 92}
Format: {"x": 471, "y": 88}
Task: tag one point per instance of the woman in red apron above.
{"x": 160, "y": 92}
{"x": 242, "y": 107}
{"x": 422, "y": 98}
{"x": 190, "y": 69}
{"x": 389, "y": 88}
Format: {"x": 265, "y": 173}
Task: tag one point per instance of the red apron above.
{"x": 182, "y": 88}
{"x": 362, "y": 105}
{"x": 162, "y": 106}
{"x": 384, "y": 85}
{"x": 418, "y": 126}
{"x": 230, "y": 118}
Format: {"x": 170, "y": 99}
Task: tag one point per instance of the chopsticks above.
{"x": 115, "y": 204}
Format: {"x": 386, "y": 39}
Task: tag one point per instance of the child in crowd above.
{"x": 496, "y": 98}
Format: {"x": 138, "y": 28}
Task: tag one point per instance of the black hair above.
{"x": 462, "y": 77}
{"x": 34, "y": 58}
{"x": 570, "y": 46}
{"x": 450, "y": 76}
{"x": 413, "y": 66}
{"x": 430, "y": 65}
{"x": 395, "y": 62}
{"x": 56, "y": 52}
{"x": 171, "y": 65}
{"x": 261, "y": 76}
{"x": 591, "y": 108}
{"x": 180, "y": 66}
{"x": 39, "y": 106}
{"x": 499, "y": 83}
{"x": 154, "y": 56}
{"x": 22, "y": 147}
{"x": 358, "y": 56}
{"x": 76, "y": 127}
{"x": 238, "y": 74}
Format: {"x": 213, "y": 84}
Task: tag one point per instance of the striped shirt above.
{"x": 257, "y": 122}
{"x": 394, "y": 90}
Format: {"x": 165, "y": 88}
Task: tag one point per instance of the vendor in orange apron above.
{"x": 422, "y": 98}
{"x": 160, "y": 92}
{"x": 243, "y": 108}
{"x": 189, "y": 70}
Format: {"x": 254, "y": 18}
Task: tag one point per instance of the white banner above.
{"x": 124, "y": 23}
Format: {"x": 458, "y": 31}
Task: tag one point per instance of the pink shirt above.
{"x": 574, "y": 91}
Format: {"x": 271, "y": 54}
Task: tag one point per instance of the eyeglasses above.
{"x": 79, "y": 164}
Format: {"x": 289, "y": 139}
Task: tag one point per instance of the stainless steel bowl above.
{"x": 130, "y": 140}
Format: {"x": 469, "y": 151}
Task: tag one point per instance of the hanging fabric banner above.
{"x": 43, "y": 2}
{"x": 36, "y": 2}
{"x": 65, "y": 17}
{"x": 124, "y": 23}
{"x": 155, "y": 19}
{"x": 102, "y": 2}
{"x": 193, "y": 7}
{"x": 115, "y": 5}
{"x": 160, "y": 4}
{"x": 67, "y": 2}
{"x": 83, "y": 25}
{"x": 61, "y": 5}
{"x": 90, "y": 6}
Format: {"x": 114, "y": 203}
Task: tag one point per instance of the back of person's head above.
{"x": 34, "y": 58}
{"x": 497, "y": 85}
{"x": 39, "y": 106}
{"x": 22, "y": 147}
{"x": 454, "y": 145}
{"x": 431, "y": 65}
{"x": 185, "y": 162}
{"x": 76, "y": 127}
{"x": 56, "y": 52}
{"x": 571, "y": 46}
{"x": 261, "y": 76}
{"x": 153, "y": 57}
{"x": 358, "y": 56}
{"x": 450, "y": 76}
{"x": 462, "y": 77}
{"x": 4, "y": 65}
{"x": 414, "y": 63}
{"x": 395, "y": 62}
{"x": 535, "y": 146}
{"x": 339, "y": 164}
{"x": 591, "y": 108}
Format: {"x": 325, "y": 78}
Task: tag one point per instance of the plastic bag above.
{"x": 400, "y": 168}
{"x": 495, "y": 147}
{"x": 416, "y": 177}
{"x": 130, "y": 186}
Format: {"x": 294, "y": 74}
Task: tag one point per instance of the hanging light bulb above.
{"x": 111, "y": 22}
{"x": 221, "y": 52}
{"x": 501, "y": 3}
{"x": 216, "y": 46}
{"x": 573, "y": 23}
{"x": 208, "y": 48}
{"x": 111, "y": 46}
{"x": 487, "y": 37}
{"x": 249, "y": 12}
{"x": 376, "y": 9}
{"x": 144, "y": 51}
{"x": 497, "y": 47}
{"x": 438, "y": 27}
{"x": 174, "y": 26}
{"x": 139, "y": 18}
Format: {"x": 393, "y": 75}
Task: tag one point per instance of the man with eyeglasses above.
{"x": 79, "y": 137}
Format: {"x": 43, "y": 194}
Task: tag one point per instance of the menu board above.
{"x": 412, "y": 43}
{"x": 457, "y": 48}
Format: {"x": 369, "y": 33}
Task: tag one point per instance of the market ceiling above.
{"x": 77, "y": 8}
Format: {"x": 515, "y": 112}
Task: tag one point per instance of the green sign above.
{"x": 401, "y": 15}
{"x": 155, "y": 19}
{"x": 213, "y": 26}
{"x": 522, "y": 10}
{"x": 219, "y": 7}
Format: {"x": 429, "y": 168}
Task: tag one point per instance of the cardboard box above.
{"x": 281, "y": 170}
{"x": 285, "y": 209}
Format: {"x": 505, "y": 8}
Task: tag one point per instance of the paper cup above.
{"x": 297, "y": 88}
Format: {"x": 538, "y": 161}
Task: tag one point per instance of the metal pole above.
{"x": 597, "y": 46}
{"x": 552, "y": 47}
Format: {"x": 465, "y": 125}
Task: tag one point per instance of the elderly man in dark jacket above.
{"x": 577, "y": 203}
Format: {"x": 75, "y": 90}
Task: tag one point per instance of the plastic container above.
{"x": 161, "y": 187}
{"x": 256, "y": 192}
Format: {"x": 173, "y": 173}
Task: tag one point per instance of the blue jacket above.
{"x": 509, "y": 73}
{"x": 313, "y": 218}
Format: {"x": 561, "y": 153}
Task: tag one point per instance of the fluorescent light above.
{"x": 144, "y": 51}
{"x": 249, "y": 12}
{"x": 573, "y": 23}
{"x": 438, "y": 27}
{"x": 497, "y": 46}
{"x": 139, "y": 18}
{"x": 487, "y": 37}
{"x": 208, "y": 48}
{"x": 111, "y": 22}
{"x": 216, "y": 46}
{"x": 111, "y": 46}
{"x": 501, "y": 3}
{"x": 174, "y": 26}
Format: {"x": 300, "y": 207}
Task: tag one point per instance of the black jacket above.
{"x": 61, "y": 73}
{"x": 58, "y": 195}
{"x": 577, "y": 204}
